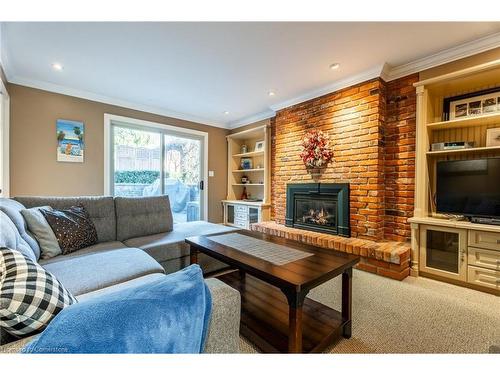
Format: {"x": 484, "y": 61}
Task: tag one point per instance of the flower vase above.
{"x": 315, "y": 172}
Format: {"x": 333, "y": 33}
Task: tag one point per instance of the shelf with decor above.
{"x": 249, "y": 170}
{"x": 464, "y": 150}
{"x": 488, "y": 119}
{"x": 251, "y": 153}
{"x": 249, "y": 177}
{"x": 462, "y": 106}
{"x": 248, "y": 184}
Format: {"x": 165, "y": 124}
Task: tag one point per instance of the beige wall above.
{"x": 464, "y": 63}
{"x": 33, "y": 166}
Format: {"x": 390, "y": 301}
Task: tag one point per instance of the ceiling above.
{"x": 198, "y": 71}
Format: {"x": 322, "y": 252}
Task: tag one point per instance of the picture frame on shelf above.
{"x": 473, "y": 104}
{"x": 259, "y": 146}
{"x": 493, "y": 137}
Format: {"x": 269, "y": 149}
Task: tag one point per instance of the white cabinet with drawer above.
{"x": 242, "y": 214}
{"x": 484, "y": 277}
{"x": 483, "y": 259}
{"x": 459, "y": 251}
{"x": 484, "y": 240}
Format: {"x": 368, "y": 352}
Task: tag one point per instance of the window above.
{"x": 149, "y": 159}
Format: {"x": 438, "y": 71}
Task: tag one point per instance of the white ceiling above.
{"x": 196, "y": 71}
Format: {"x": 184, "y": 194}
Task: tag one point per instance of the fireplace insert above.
{"x": 318, "y": 207}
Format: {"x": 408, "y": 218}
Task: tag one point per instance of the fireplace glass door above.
{"x": 319, "y": 212}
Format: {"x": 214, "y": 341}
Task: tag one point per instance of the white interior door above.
{"x": 4, "y": 141}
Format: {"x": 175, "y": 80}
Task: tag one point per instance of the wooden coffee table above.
{"x": 276, "y": 315}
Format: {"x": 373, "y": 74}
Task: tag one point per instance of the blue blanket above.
{"x": 170, "y": 315}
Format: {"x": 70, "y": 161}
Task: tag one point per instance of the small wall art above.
{"x": 70, "y": 141}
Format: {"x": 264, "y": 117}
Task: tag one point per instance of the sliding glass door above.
{"x": 151, "y": 161}
{"x": 183, "y": 176}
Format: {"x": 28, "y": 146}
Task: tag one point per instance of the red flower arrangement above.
{"x": 316, "y": 153}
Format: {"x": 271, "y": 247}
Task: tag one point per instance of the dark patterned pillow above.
{"x": 73, "y": 228}
{"x": 29, "y": 295}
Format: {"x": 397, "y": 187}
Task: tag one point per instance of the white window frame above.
{"x": 110, "y": 118}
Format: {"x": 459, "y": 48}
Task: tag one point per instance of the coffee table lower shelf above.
{"x": 264, "y": 317}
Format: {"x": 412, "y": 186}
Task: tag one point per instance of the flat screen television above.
{"x": 469, "y": 187}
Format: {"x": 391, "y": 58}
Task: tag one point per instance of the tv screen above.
{"x": 469, "y": 187}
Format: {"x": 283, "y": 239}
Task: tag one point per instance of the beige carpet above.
{"x": 417, "y": 315}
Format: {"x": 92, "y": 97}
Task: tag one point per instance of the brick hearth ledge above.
{"x": 387, "y": 258}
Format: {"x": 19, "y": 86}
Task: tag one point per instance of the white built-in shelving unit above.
{"x": 242, "y": 213}
{"x": 477, "y": 245}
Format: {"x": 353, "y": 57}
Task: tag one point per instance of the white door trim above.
{"x": 5, "y": 126}
{"x": 109, "y": 118}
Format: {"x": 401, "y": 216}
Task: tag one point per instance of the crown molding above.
{"x": 47, "y": 86}
{"x": 251, "y": 119}
{"x": 384, "y": 71}
{"x": 371, "y": 73}
{"x": 448, "y": 55}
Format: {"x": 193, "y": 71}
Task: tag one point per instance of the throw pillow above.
{"x": 73, "y": 228}
{"x": 41, "y": 230}
{"x": 29, "y": 295}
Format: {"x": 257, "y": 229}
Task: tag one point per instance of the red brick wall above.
{"x": 399, "y": 139}
{"x": 355, "y": 119}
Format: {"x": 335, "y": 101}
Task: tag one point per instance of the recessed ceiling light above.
{"x": 226, "y": 112}
{"x": 57, "y": 66}
{"x": 271, "y": 93}
{"x": 334, "y": 66}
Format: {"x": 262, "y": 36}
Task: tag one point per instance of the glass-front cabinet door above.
{"x": 443, "y": 251}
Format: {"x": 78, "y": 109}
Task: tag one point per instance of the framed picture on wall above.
{"x": 70, "y": 141}
{"x": 493, "y": 137}
{"x": 478, "y": 103}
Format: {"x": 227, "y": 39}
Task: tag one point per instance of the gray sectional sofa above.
{"x": 137, "y": 242}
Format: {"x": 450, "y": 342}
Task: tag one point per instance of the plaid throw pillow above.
{"x": 73, "y": 228}
{"x": 29, "y": 295}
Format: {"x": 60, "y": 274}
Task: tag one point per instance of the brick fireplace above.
{"x": 372, "y": 134}
{"x": 318, "y": 207}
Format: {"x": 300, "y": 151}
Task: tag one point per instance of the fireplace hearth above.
{"x": 318, "y": 207}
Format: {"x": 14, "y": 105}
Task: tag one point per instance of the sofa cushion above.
{"x": 97, "y": 248}
{"x": 73, "y": 228}
{"x": 41, "y": 230}
{"x": 121, "y": 286}
{"x": 142, "y": 216}
{"x": 171, "y": 245}
{"x": 13, "y": 210}
{"x": 30, "y": 297}
{"x": 100, "y": 209}
{"x": 10, "y": 237}
{"x": 86, "y": 273}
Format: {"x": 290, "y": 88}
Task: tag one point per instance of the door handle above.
{"x": 462, "y": 255}
{"x": 201, "y": 185}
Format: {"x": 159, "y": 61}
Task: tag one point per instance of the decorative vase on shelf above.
{"x": 246, "y": 163}
{"x": 244, "y": 149}
{"x": 244, "y": 194}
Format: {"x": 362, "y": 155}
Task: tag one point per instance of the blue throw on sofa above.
{"x": 167, "y": 316}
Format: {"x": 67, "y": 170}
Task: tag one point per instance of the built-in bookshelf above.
{"x": 432, "y": 129}
{"x": 252, "y": 177}
{"x": 473, "y": 249}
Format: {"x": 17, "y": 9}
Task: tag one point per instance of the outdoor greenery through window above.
{"x": 141, "y": 157}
